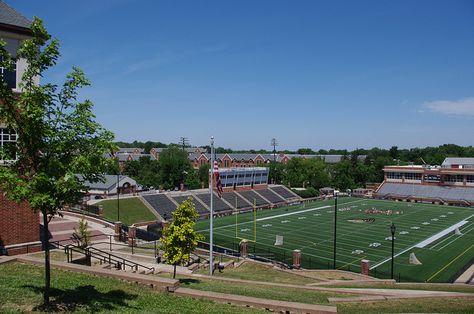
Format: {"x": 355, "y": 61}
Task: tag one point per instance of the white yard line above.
{"x": 279, "y": 216}
{"x": 416, "y": 245}
{"x": 441, "y": 234}
{"x": 457, "y": 237}
{"x": 447, "y": 239}
{"x": 267, "y": 218}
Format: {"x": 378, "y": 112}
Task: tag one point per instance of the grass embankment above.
{"x": 257, "y": 272}
{"x": 132, "y": 210}
{"x": 21, "y": 287}
{"x": 268, "y": 274}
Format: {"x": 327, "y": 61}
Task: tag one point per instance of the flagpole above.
{"x": 211, "y": 217}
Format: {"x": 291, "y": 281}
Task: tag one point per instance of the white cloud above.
{"x": 464, "y": 107}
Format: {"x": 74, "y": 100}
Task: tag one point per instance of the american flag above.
{"x": 217, "y": 177}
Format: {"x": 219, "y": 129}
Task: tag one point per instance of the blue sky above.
{"x": 318, "y": 74}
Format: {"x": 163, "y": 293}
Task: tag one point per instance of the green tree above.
{"x": 83, "y": 234}
{"x": 305, "y": 151}
{"x": 342, "y": 175}
{"x": 179, "y": 238}
{"x": 172, "y": 163}
{"x": 203, "y": 174}
{"x": 58, "y": 137}
{"x": 192, "y": 180}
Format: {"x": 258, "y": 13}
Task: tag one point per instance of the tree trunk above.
{"x": 47, "y": 268}
{"x": 174, "y": 271}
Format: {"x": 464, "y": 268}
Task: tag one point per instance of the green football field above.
{"x": 363, "y": 232}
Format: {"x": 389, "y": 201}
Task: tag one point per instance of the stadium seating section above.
{"x": 284, "y": 192}
{"x": 161, "y": 203}
{"x": 425, "y": 191}
{"x": 232, "y": 197}
{"x": 272, "y": 197}
{"x": 165, "y": 203}
{"x": 251, "y": 196}
{"x": 219, "y": 205}
{"x": 198, "y": 205}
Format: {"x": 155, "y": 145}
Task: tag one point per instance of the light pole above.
{"x": 274, "y": 143}
{"x": 118, "y": 196}
{"x": 335, "y": 228}
{"x": 211, "y": 214}
{"x": 392, "y": 230}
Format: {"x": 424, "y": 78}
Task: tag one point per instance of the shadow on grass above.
{"x": 188, "y": 281}
{"x": 83, "y": 297}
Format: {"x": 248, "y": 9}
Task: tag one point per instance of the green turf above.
{"x": 132, "y": 210}
{"x": 311, "y": 230}
{"x": 21, "y": 292}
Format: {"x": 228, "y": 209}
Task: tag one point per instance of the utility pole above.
{"x": 274, "y": 143}
{"x": 184, "y": 142}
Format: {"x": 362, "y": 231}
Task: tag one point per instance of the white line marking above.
{"x": 441, "y": 234}
{"x": 406, "y": 250}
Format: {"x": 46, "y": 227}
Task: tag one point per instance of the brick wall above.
{"x": 18, "y": 223}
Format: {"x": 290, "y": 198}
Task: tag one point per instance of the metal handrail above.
{"x": 109, "y": 255}
{"x": 103, "y": 256}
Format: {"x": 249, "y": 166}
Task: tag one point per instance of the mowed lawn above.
{"x": 21, "y": 289}
{"x": 132, "y": 210}
{"x": 311, "y": 230}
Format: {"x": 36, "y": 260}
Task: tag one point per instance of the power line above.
{"x": 184, "y": 142}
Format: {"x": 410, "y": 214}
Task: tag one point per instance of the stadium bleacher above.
{"x": 219, "y": 205}
{"x": 283, "y": 192}
{"x": 232, "y": 197}
{"x": 443, "y": 193}
{"x": 161, "y": 204}
{"x": 271, "y": 196}
{"x": 165, "y": 203}
{"x": 198, "y": 205}
{"x": 251, "y": 196}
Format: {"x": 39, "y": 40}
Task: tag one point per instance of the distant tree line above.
{"x": 171, "y": 170}
{"x": 174, "y": 167}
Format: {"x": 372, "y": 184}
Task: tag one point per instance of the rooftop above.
{"x": 10, "y": 16}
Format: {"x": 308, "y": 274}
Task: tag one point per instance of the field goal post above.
{"x": 254, "y": 224}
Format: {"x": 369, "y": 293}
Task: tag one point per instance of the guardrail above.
{"x": 102, "y": 256}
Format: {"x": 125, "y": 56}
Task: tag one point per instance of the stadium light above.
{"x": 392, "y": 230}
{"x": 335, "y": 228}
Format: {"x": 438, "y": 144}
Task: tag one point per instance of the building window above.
{"x": 226, "y": 163}
{"x": 394, "y": 175}
{"x": 470, "y": 179}
{"x": 8, "y": 149}
{"x": 454, "y": 178}
{"x": 9, "y": 76}
{"x": 431, "y": 178}
{"x": 413, "y": 176}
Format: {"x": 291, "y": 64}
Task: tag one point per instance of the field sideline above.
{"x": 363, "y": 232}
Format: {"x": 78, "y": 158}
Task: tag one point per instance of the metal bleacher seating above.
{"x": 161, "y": 204}
{"x": 283, "y": 192}
{"x": 219, "y": 205}
{"x": 425, "y": 191}
{"x": 199, "y": 207}
{"x": 251, "y": 196}
{"x": 232, "y": 197}
{"x": 269, "y": 195}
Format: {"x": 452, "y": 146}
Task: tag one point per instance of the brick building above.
{"x": 19, "y": 225}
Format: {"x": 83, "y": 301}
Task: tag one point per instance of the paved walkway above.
{"x": 63, "y": 228}
{"x": 467, "y": 276}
